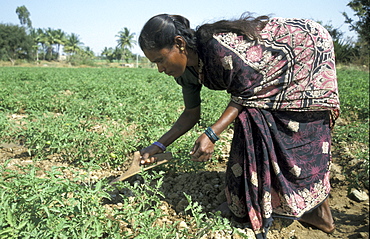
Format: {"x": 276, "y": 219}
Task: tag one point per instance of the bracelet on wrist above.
{"x": 211, "y": 134}
{"x": 160, "y": 145}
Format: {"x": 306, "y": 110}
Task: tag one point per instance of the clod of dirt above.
{"x": 358, "y": 195}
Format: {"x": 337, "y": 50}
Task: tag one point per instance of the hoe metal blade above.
{"x": 136, "y": 167}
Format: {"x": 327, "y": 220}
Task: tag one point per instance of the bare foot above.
{"x": 226, "y": 212}
{"x": 224, "y": 209}
{"x": 320, "y": 217}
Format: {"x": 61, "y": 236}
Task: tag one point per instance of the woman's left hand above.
{"x": 203, "y": 149}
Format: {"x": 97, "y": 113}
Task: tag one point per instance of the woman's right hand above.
{"x": 185, "y": 122}
{"x": 147, "y": 152}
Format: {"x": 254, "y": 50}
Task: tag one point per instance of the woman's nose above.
{"x": 160, "y": 68}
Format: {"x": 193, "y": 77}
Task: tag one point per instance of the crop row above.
{"x": 93, "y": 114}
{"x": 95, "y": 118}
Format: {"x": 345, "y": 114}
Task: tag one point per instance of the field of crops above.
{"x": 93, "y": 114}
{"x": 93, "y": 119}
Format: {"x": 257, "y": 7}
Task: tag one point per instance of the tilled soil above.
{"x": 206, "y": 188}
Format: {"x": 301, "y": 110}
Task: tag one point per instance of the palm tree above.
{"x": 36, "y": 40}
{"x": 125, "y": 41}
{"x": 48, "y": 38}
{"x": 43, "y": 40}
{"x": 73, "y": 44}
{"x": 52, "y": 40}
{"x": 108, "y": 53}
{"x": 118, "y": 53}
{"x": 60, "y": 40}
{"x": 88, "y": 52}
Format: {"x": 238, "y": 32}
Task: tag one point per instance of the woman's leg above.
{"x": 320, "y": 217}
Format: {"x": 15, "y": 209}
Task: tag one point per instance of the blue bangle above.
{"x": 160, "y": 145}
{"x": 211, "y": 134}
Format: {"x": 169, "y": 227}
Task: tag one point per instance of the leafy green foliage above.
{"x": 345, "y": 51}
{"x": 88, "y": 114}
{"x": 361, "y": 25}
{"x": 353, "y": 136}
{"x": 51, "y": 207}
{"x": 203, "y": 221}
{"x": 141, "y": 208}
{"x": 99, "y": 117}
{"x": 24, "y": 16}
{"x": 14, "y": 43}
{"x": 354, "y": 94}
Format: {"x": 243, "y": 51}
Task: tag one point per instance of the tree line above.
{"x": 347, "y": 50}
{"x": 25, "y": 42}
{"x": 28, "y": 43}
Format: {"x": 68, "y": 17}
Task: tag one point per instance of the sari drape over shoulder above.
{"x": 291, "y": 67}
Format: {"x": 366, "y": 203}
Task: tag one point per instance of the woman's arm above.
{"x": 204, "y": 147}
{"x": 184, "y": 123}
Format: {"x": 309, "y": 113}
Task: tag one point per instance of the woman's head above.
{"x": 168, "y": 41}
{"x": 161, "y": 30}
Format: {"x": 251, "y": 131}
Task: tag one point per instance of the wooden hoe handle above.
{"x": 136, "y": 167}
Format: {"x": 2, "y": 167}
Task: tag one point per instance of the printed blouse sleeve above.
{"x": 233, "y": 70}
{"x": 190, "y": 88}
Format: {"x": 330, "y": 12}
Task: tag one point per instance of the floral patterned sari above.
{"x": 280, "y": 154}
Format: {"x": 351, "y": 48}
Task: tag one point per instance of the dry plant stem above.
{"x": 320, "y": 217}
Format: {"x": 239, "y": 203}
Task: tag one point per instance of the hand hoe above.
{"x": 136, "y": 167}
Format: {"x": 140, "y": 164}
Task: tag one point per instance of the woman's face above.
{"x": 171, "y": 61}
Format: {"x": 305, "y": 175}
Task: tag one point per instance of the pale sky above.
{"x": 98, "y": 22}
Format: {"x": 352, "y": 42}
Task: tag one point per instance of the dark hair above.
{"x": 160, "y": 32}
{"x": 246, "y": 25}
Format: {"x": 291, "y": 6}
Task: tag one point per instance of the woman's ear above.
{"x": 180, "y": 43}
